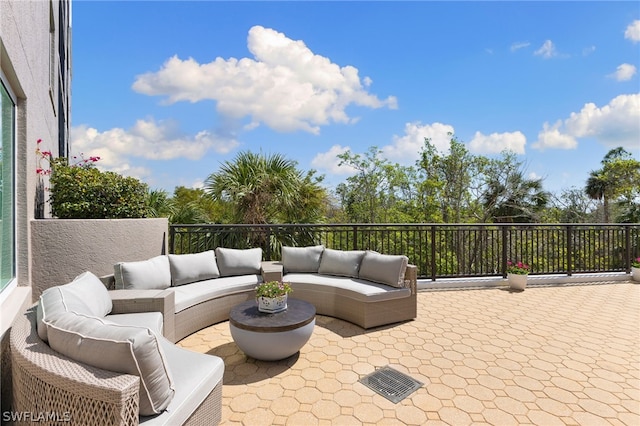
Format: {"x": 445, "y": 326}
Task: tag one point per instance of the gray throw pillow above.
{"x": 86, "y": 294}
{"x": 384, "y": 268}
{"x": 118, "y": 348}
{"x": 302, "y": 259}
{"x": 344, "y": 263}
{"x": 189, "y": 268}
{"x": 143, "y": 275}
{"x": 238, "y": 262}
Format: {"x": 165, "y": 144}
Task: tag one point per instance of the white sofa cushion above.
{"x": 190, "y": 268}
{"x": 119, "y": 348}
{"x": 301, "y": 259}
{"x": 148, "y": 274}
{"x": 344, "y": 263}
{"x": 86, "y": 294}
{"x": 194, "y": 293}
{"x": 238, "y": 261}
{"x": 383, "y": 268}
{"x": 358, "y": 289}
{"x": 195, "y": 376}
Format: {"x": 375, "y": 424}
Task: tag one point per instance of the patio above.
{"x": 565, "y": 355}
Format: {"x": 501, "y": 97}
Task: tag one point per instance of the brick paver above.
{"x": 566, "y": 355}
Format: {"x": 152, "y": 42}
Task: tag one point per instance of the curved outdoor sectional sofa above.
{"x": 61, "y": 363}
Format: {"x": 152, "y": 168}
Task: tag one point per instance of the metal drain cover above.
{"x": 390, "y": 383}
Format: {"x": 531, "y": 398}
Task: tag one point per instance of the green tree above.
{"x": 510, "y": 197}
{"x": 619, "y": 181}
{"x": 266, "y": 189}
{"x": 378, "y": 192}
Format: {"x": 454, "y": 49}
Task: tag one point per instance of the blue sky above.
{"x": 167, "y": 91}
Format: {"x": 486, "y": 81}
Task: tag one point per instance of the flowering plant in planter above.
{"x": 517, "y": 268}
{"x": 273, "y": 289}
{"x": 635, "y": 262}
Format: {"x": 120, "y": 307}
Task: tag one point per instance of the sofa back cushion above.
{"x": 86, "y": 294}
{"x": 118, "y": 348}
{"x": 345, "y": 263}
{"x": 189, "y": 268}
{"x": 384, "y": 268}
{"x": 148, "y": 274}
{"x": 302, "y": 259}
{"x": 238, "y": 262}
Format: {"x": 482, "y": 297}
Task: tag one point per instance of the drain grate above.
{"x": 390, "y": 383}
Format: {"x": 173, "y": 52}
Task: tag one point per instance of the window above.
{"x": 7, "y": 202}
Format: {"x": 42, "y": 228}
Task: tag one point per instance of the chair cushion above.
{"x": 151, "y": 320}
{"x": 202, "y": 291}
{"x": 301, "y": 259}
{"x": 189, "y": 268}
{"x": 238, "y": 262}
{"x": 344, "y": 263}
{"x": 383, "y": 268}
{"x": 195, "y": 376}
{"x": 118, "y": 348}
{"x": 328, "y": 286}
{"x": 86, "y": 294}
{"x": 148, "y": 274}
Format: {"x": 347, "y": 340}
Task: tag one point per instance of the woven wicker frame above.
{"x": 48, "y": 383}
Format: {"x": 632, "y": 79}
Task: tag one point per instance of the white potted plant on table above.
{"x": 517, "y": 273}
{"x": 272, "y": 296}
{"x": 635, "y": 269}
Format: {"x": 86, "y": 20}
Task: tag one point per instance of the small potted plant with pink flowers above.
{"x": 517, "y": 273}
{"x": 272, "y": 296}
{"x": 635, "y": 269}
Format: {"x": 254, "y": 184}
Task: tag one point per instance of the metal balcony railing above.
{"x": 439, "y": 250}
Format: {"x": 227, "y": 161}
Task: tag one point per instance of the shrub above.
{"x": 81, "y": 191}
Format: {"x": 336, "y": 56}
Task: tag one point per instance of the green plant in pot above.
{"x": 517, "y": 273}
{"x": 272, "y": 296}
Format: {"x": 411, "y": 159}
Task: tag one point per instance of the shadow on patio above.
{"x": 566, "y": 354}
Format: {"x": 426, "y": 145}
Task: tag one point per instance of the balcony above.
{"x": 553, "y": 354}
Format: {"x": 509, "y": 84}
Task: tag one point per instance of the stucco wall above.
{"x": 63, "y": 249}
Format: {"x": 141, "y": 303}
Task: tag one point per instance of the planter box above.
{"x": 64, "y": 248}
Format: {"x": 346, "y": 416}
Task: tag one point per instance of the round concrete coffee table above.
{"x": 271, "y": 337}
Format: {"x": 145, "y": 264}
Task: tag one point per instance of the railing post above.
{"x": 569, "y": 250}
{"x": 627, "y": 249}
{"x": 505, "y": 248}
{"x": 355, "y": 237}
{"x": 268, "y": 255}
{"x": 172, "y": 231}
{"x": 434, "y": 273}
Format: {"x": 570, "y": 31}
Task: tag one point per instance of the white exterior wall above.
{"x": 25, "y": 55}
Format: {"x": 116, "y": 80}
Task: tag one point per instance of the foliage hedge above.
{"x": 84, "y": 192}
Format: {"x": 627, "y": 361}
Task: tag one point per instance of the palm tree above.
{"x": 265, "y": 189}
{"x": 597, "y": 188}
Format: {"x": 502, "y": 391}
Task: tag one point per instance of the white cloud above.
{"x": 547, "y": 50}
{"x": 329, "y": 161}
{"x": 146, "y": 139}
{"x": 615, "y": 124}
{"x": 519, "y": 45}
{"x": 624, "y": 72}
{"x": 588, "y": 50}
{"x": 406, "y": 149}
{"x": 551, "y": 137}
{"x": 286, "y": 86}
{"x": 633, "y": 31}
{"x": 498, "y": 142}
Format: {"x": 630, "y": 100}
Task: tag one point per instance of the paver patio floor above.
{"x": 552, "y": 355}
